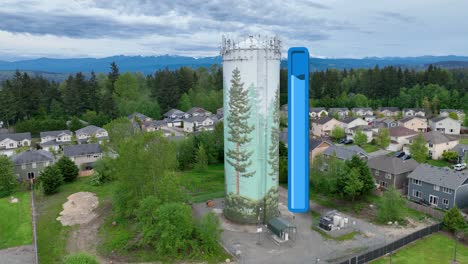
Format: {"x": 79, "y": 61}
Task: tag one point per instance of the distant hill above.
{"x": 150, "y": 64}
{"x": 51, "y": 76}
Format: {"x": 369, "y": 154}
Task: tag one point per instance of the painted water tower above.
{"x": 251, "y": 73}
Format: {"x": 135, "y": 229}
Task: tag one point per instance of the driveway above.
{"x": 17, "y": 255}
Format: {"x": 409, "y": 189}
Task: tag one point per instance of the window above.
{"x": 34, "y": 165}
{"x": 12, "y": 145}
{"x": 388, "y": 176}
{"x": 436, "y": 188}
{"x": 417, "y": 194}
{"x": 23, "y": 166}
{"x": 445, "y": 202}
{"x": 431, "y": 145}
{"x": 96, "y": 155}
{"x": 30, "y": 175}
{"x": 46, "y": 164}
{"x": 88, "y": 156}
{"x": 447, "y": 190}
{"x": 434, "y": 200}
{"x": 417, "y": 182}
{"x": 377, "y": 172}
{"x": 384, "y": 184}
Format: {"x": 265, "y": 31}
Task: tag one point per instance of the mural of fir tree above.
{"x": 238, "y": 128}
{"x": 273, "y": 151}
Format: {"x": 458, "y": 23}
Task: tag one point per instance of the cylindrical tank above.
{"x": 251, "y": 72}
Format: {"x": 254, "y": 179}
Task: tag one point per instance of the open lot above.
{"x": 436, "y": 248}
{"x": 53, "y": 238}
{"x": 203, "y": 186}
{"x": 15, "y": 221}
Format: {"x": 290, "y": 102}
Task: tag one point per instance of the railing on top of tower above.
{"x": 257, "y": 42}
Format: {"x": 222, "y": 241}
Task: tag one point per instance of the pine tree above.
{"x": 273, "y": 152}
{"x": 67, "y": 168}
{"x": 8, "y": 181}
{"x": 184, "y": 103}
{"x": 201, "y": 159}
{"x": 238, "y": 128}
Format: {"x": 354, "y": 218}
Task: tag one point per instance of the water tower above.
{"x": 251, "y": 74}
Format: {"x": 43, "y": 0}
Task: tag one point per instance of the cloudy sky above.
{"x": 329, "y": 28}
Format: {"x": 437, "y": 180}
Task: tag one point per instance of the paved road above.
{"x": 17, "y": 255}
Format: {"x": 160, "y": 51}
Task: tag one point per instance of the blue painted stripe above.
{"x": 298, "y": 130}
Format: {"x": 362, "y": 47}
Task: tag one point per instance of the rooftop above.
{"x": 392, "y": 164}
{"x": 441, "y": 176}
{"x": 16, "y": 136}
{"x": 31, "y": 156}
{"x": 89, "y": 130}
{"x": 435, "y": 137}
{"x": 55, "y": 133}
{"x": 81, "y": 149}
{"x": 400, "y": 131}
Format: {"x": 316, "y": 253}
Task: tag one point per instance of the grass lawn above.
{"x": 15, "y": 221}
{"x": 464, "y": 141}
{"x": 439, "y": 163}
{"x": 436, "y": 248}
{"x": 369, "y": 148}
{"x": 52, "y": 236}
{"x": 203, "y": 186}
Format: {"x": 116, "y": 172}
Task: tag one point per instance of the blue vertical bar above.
{"x": 298, "y": 130}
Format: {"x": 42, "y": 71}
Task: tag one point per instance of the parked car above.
{"x": 348, "y": 141}
{"x": 342, "y": 141}
{"x": 460, "y": 166}
{"x": 400, "y": 154}
{"x": 406, "y": 157}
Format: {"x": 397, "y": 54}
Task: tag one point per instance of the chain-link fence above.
{"x": 381, "y": 251}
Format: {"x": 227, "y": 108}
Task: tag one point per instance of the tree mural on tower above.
{"x": 273, "y": 151}
{"x": 239, "y": 128}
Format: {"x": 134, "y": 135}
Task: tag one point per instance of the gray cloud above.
{"x": 397, "y": 16}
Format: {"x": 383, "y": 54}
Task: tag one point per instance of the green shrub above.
{"x": 80, "y": 258}
{"x": 209, "y": 233}
{"x": 51, "y": 179}
{"x": 392, "y": 207}
{"x": 453, "y": 220}
{"x": 8, "y": 181}
{"x": 67, "y": 168}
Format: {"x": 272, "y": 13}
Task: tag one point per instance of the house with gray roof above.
{"x": 390, "y": 171}
{"x": 462, "y": 150}
{"x": 139, "y": 116}
{"x": 174, "y": 114}
{"x": 154, "y": 125}
{"x": 445, "y": 125}
{"x": 460, "y": 113}
{"x": 441, "y": 187}
{"x": 199, "y": 123}
{"x": 317, "y": 112}
{"x": 414, "y": 112}
{"x": 52, "y": 140}
{"x": 362, "y": 111}
{"x": 29, "y": 164}
{"x": 345, "y": 152}
{"x": 9, "y": 142}
{"x": 339, "y": 112}
{"x": 317, "y": 146}
{"x": 388, "y": 111}
{"x": 436, "y": 142}
{"x": 83, "y": 155}
{"x": 89, "y": 133}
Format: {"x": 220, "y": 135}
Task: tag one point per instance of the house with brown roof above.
{"x": 416, "y": 123}
{"x": 437, "y": 143}
{"x": 323, "y": 126}
{"x": 316, "y": 147}
{"x": 390, "y": 171}
{"x": 399, "y": 137}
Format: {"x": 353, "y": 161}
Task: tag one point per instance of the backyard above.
{"x": 52, "y": 236}
{"x": 464, "y": 141}
{"x": 203, "y": 186}
{"x": 369, "y": 148}
{"x": 15, "y": 230}
{"x": 436, "y": 248}
{"x": 439, "y": 163}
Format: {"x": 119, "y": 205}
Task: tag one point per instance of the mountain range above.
{"x": 50, "y": 67}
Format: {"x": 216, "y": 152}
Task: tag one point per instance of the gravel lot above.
{"x": 17, "y": 255}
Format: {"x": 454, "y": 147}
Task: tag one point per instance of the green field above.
{"x": 203, "y": 186}
{"x": 439, "y": 163}
{"x": 464, "y": 141}
{"x": 369, "y": 148}
{"x": 52, "y": 236}
{"x": 15, "y": 221}
{"x": 436, "y": 248}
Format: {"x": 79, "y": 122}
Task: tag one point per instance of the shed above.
{"x": 282, "y": 228}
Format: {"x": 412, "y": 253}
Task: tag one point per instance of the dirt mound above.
{"x": 79, "y": 209}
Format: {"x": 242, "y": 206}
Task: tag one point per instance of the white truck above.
{"x": 460, "y": 166}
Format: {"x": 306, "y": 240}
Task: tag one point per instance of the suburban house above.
{"x": 317, "y": 112}
{"x": 197, "y": 111}
{"x": 340, "y": 112}
{"x": 29, "y": 164}
{"x": 399, "y": 136}
{"x": 88, "y": 133}
{"x": 437, "y": 143}
{"x": 388, "y": 111}
{"x": 152, "y": 126}
{"x": 353, "y": 122}
{"x": 441, "y": 187}
{"x": 460, "y": 113}
{"x": 138, "y": 116}
{"x": 390, "y": 171}
{"x": 323, "y": 126}
{"x": 462, "y": 150}
{"x": 369, "y": 118}
{"x": 384, "y": 123}
{"x": 83, "y": 155}
{"x": 445, "y": 125}
{"x": 174, "y": 114}
{"x": 416, "y": 123}
{"x": 220, "y": 112}
{"x": 316, "y": 147}
{"x": 199, "y": 123}
{"x": 345, "y": 152}
{"x": 414, "y": 112}
{"x": 11, "y": 141}
{"x": 362, "y": 111}
{"x": 52, "y": 140}
{"x": 367, "y": 130}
